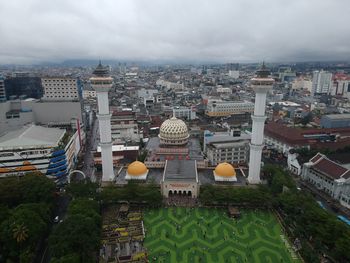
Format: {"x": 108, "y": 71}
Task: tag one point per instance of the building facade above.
{"x": 50, "y": 151}
{"x": 60, "y": 88}
{"x": 335, "y": 121}
{"x": 219, "y": 108}
{"x": 321, "y": 82}
{"x": 234, "y": 152}
{"x": 328, "y": 177}
{"x": 187, "y": 113}
{"x": 124, "y": 127}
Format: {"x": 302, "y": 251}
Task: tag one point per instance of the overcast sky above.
{"x": 32, "y": 31}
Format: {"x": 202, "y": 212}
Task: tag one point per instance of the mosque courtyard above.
{"x": 180, "y": 234}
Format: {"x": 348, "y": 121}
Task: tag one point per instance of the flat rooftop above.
{"x": 180, "y": 170}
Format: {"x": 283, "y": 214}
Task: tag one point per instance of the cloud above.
{"x": 198, "y": 30}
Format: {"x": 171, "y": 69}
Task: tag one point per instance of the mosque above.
{"x": 174, "y": 159}
{"x": 175, "y": 163}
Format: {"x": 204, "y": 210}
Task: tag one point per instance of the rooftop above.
{"x": 31, "y": 136}
{"x": 180, "y": 170}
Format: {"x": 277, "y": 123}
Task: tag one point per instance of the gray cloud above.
{"x": 198, "y": 30}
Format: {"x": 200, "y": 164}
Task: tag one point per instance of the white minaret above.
{"x": 261, "y": 84}
{"x": 102, "y": 83}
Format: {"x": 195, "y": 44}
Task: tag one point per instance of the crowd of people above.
{"x": 181, "y": 200}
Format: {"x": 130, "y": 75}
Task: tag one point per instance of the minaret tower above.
{"x": 261, "y": 84}
{"x": 102, "y": 83}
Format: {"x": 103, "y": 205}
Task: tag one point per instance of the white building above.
{"x": 51, "y": 151}
{"x": 233, "y": 74}
{"x": 219, "y": 108}
{"x": 341, "y": 85}
{"x": 60, "y": 88}
{"x": 187, "y": 113}
{"x": 321, "y": 82}
{"x": 302, "y": 84}
{"x": 124, "y": 127}
{"x": 16, "y": 113}
{"x": 329, "y": 177}
{"x": 223, "y": 147}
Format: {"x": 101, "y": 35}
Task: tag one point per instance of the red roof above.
{"x": 341, "y": 76}
{"x": 329, "y": 168}
{"x": 316, "y": 158}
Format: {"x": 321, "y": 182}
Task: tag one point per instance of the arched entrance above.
{"x": 170, "y": 192}
{"x": 73, "y": 172}
{"x": 189, "y": 193}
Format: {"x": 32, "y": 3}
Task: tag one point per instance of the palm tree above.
{"x": 20, "y": 232}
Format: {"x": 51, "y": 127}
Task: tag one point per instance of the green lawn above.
{"x": 209, "y": 235}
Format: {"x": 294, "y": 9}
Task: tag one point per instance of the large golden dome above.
{"x": 225, "y": 170}
{"x": 137, "y": 168}
{"x": 173, "y": 132}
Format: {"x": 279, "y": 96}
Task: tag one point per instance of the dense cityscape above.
{"x": 119, "y": 144}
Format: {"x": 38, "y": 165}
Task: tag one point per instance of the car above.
{"x": 56, "y": 220}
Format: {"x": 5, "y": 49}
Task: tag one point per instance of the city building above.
{"x": 23, "y": 86}
{"x": 285, "y": 74}
{"x": 2, "y": 89}
{"x": 88, "y": 92}
{"x": 335, "y": 121}
{"x": 234, "y": 74}
{"x": 261, "y": 84}
{"x": 321, "y": 82}
{"x": 60, "y": 88}
{"x": 187, "y": 113}
{"x": 50, "y": 151}
{"x": 102, "y": 83}
{"x": 329, "y": 177}
{"x": 341, "y": 85}
{"x": 226, "y": 147}
{"x": 219, "y": 108}
{"x": 16, "y": 113}
{"x": 124, "y": 127}
{"x": 119, "y": 153}
{"x": 282, "y": 138}
{"x": 302, "y": 84}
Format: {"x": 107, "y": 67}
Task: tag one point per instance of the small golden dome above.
{"x": 137, "y": 168}
{"x": 225, "y": 170}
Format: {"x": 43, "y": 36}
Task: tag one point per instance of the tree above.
{"x": 20, "y": 232}
{"x": 81, "y": 189}
{"x": 306, "y": 119}
{"x": 78, "y": 235}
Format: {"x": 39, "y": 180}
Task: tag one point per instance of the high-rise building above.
{"x": 2, "y": 89}
{"x": 261, "y": 84}
{"x": 23, "y": 86}
{"x": 321, "y": 82}
{"x": 102, "y": 83}
{"x": 60, "y": 88}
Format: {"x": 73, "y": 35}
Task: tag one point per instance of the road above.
{"x": 91, "y": 145}
{"x": 62, "y": 202}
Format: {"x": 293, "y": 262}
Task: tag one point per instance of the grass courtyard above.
{"x": 209, "y": 235}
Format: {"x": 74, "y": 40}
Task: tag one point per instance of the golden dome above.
{"x": 137, "y": 168}
{"x": 225, "y": 170}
